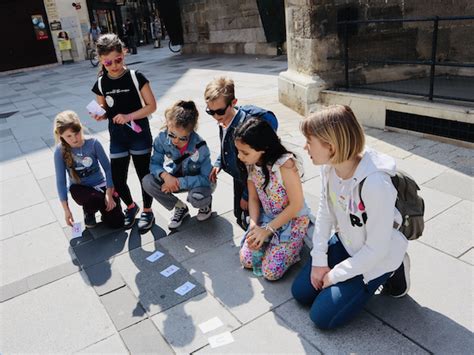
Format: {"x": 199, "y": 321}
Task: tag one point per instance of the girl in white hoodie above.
{"x": 355, "y": 247}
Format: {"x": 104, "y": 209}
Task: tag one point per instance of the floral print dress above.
{"x": 284, "y": 247}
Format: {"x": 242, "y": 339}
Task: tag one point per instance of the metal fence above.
{"x": 432, "y": 62}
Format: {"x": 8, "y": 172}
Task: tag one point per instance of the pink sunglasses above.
{"x": 117, "y": 60}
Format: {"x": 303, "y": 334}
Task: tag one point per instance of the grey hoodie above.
{"x": 366, "y": 230}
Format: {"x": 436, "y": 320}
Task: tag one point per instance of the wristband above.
{"x": 269, "y": 228}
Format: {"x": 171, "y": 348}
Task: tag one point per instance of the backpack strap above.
{"x": 187, "y": 155}
{"x": 99, "y": 85}
{"x": 133, "y": 73}
{"x": 361, "y": 184}
{"x": 360, "y": 191}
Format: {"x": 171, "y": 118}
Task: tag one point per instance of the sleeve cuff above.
{"x": 182, "y": 183}
{"x": 319, "y": 258}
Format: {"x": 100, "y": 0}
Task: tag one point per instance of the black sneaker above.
{"x": 89, "y": 220}
{"x": 399, "y": 283}
{"x": 146, "y": 222}
{"x": 179, "y": 214}
{"x": 130, "y": 215}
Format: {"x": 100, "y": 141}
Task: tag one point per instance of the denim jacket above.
{"x": 191, "y": 172}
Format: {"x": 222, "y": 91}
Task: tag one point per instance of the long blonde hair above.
{"x": 62, "y": 122}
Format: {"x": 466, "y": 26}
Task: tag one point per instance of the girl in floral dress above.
{"x": 279, "y": 217}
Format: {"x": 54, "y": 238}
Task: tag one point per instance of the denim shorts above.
{"x": 124, "y": 142}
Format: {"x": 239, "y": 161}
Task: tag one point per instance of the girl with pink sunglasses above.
{"x": 128, "y": 100}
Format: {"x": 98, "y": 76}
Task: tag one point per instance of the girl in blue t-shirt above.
{"x": 80, "y": 157}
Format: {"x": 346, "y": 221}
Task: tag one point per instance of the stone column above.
{"x": 311, "y": 39}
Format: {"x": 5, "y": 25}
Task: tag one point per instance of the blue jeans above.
{"x": 338, "y": 304}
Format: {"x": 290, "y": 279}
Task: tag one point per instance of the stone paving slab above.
{"x": 104, "y": 277}
{"x": 144, "y": 338}
{"x": 179, "y": 325}
{"x": 201, "y": 237}
{"x": 439, "y": 231}
{"x": 32, "y": 218}
{"x": 154, "y": 291}
{"x": 279, "y": 339}
{"x": 123, "y": 308}
{"x": 468, "y": 257}
{"x": 62, "y": 317}
{"x": 33, "y": 252}
{"x": 438, "y": 312}
{"x": 110, "y": 345}
{"x": 111, "y": 245}
{"x": 436, "y": 201}
{"x": 364, "y": 335}
{"x": 253, "y": 296}
{"x": 6, "y": 227}
{"x": 18, "y": 193}
{"x": 421, "y": 169}
{"x": 454, "y": 183}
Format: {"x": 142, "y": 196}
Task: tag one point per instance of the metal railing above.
{"x": 432, "y": 62}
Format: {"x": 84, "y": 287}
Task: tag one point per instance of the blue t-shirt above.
{"x": 86, "y": 164}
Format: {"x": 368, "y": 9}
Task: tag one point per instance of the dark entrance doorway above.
{"x": 26, "y": 41}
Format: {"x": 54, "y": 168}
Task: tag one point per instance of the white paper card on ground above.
{"x": 155, "y": 256}
{"x": 170, "y": 270}
{"x": 220, "y": 339}
{"x": 184, "y": 288}
{"x": 210, "y": 325}
{"x": 77, "y": 230}
{"x": 95, "y": 108}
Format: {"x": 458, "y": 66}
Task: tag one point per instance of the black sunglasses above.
{"x": 219, "y": 112}
{"x": 173, "y": 136}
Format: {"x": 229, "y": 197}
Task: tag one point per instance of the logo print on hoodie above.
{"x": 355, "y": 221}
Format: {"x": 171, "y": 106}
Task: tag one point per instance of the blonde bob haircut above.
{"x": 337, "y": 126}
{"x": 220, "y": 87}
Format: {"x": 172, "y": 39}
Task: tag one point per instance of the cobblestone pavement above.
{"x": 99, "y": 294}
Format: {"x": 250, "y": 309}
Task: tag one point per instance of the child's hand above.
{"x": 213, "y": 175}
{"x": 170, "y": 183}
{"x": 97, "y": 117}
{"x": 109, "y": 201}
{"x": 121, "y": 119}
{"x": 244, "y": 204}
{"x": 256, "y": 237}
{"x": 326, "y": 281}
{"x": 317, "y": 275}
{"x": 68, "y": 217}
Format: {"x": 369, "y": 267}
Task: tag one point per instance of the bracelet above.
{"x": 129, "y": 117}
{"x": 269, "y": 228}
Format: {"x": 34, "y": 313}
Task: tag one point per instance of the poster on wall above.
{"x": 64, "y": 43}
{"x": 39, "y": 27}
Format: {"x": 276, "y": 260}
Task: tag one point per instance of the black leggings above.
{"x": 120, "y": 173}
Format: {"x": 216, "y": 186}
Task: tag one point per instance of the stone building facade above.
{"x": 223, "y": 26}
{"x": 315, "y": 44}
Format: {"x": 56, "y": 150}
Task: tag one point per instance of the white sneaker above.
{"x": 179, "y": 214}
{"x": 204, "y": 213}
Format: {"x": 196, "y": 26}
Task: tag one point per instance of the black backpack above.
{"x": 410, "y": 205}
